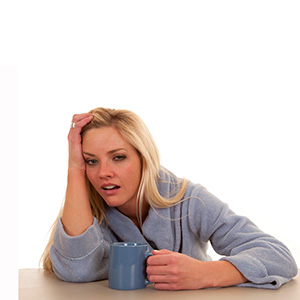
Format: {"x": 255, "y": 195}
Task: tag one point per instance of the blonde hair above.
{"x": 135, "y": 132}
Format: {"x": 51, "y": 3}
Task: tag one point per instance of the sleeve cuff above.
{"x": 255, "y": 272}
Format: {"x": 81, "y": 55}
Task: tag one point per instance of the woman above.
{"x": 117, "y": 191}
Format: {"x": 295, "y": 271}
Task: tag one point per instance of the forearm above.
{"x": 77, "y": 215}
{"x": 221, "y": 274}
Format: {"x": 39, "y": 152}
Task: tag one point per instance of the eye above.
{"x": 90, "y": 162}
{"x": 119, "y": 157}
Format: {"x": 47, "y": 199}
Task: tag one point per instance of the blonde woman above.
{"x": 117, "y": 191}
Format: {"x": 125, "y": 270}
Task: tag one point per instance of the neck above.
{"x": 134, "y": 214}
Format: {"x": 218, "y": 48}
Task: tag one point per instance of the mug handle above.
{"x": 147, "y": 254}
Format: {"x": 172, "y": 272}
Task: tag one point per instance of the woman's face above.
{"x": 113, "y": 167}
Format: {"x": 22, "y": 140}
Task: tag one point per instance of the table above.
{"x": 36, "y": 284}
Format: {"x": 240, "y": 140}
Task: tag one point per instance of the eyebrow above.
{"x": 109, "y": 152}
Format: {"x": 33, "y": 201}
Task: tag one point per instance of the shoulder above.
{"x": 168, "y": 183}
{"x": 195, "y": 195}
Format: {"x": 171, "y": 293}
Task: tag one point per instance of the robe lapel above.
{"x": 124, "y": 229}
{"x": 161, "y": 229}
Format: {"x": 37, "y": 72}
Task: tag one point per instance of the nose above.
{"x": 105, "y": 171}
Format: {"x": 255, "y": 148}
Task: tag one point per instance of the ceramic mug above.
{"x": 127, "y": 266}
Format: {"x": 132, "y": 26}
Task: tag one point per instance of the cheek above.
{"x": 135, "y": 178}
{"x": 90, "y": 176}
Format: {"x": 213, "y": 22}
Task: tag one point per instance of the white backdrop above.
{"x": 216, "y": 82}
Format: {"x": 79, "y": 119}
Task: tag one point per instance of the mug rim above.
{"x": 128, "y": 244}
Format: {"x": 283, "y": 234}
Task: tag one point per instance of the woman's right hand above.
{"x": 76, "y": 161}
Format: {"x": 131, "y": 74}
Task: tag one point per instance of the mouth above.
{"x": 111, "y": 187}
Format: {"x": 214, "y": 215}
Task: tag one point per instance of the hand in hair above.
{"x": 175, "y": 271}
{"x": 76, "y": 160}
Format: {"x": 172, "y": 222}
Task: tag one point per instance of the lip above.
{"x": 110, "y": 192}
{"x": 108, "y": 184}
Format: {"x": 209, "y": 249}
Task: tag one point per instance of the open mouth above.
{"x": 111, "y": 187}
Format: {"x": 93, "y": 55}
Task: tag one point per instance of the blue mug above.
{"x": 127, "y": 266}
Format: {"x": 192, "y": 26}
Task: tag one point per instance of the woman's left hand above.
{"x": 172, "y": 271}
{"x": 175, "y": 271}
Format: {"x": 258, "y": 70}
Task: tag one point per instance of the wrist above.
{"x": 76, "y": 171}
{"x": 225, "y": 274}
{"x": 222, "y": 273}
{"x": 76, "y": 178}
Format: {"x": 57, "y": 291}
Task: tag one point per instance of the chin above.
{"x": 112, "y": 203}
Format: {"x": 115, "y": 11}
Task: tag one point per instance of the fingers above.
{"x": 169, "y": 270}
{"x": 81, "y": 120}
{"x": 163, "y": 277}
{"x": 165, "y": 286}
{"x": 78, "y": 122}
{"x": 157, "y": 263}
{"x": 161, "y": 252}
{"x": 160, "y": 257}
{"x": 76, "y": 160}
{"x": 79, "y": 117}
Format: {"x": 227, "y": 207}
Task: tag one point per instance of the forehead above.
{"x": 105, "y": 138}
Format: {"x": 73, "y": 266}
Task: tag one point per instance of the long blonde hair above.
{"x": 134, "y": 131}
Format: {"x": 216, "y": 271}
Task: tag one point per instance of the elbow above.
{"x": 81, "y": 273}
{"x": 293, "y": 268}
{"x": 285, "y": 267}
{"x": 78, "y": 275}
{"x": 289, "y": 264}
{"x": 79, "y": 270}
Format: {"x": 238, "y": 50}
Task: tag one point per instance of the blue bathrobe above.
{"x": 187, "y": 228}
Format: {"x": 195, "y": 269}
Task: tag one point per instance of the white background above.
{"x": 216, "y": 82}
